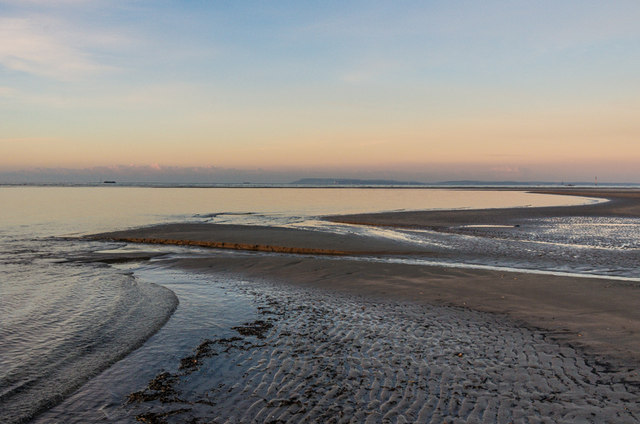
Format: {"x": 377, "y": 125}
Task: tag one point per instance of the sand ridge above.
{"x": 621, "y": 203}
{"x": 233, "y": 246}
{"x": 260, "y": 238}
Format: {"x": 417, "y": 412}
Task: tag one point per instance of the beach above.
{"x": 92, "y": 320}
{"x": 348, "y": 329}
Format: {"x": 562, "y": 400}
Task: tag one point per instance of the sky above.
{"x": 274, "y": 91}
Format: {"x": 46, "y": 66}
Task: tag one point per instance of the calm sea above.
{"x": 64, "y": 322}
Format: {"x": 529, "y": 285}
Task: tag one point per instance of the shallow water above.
{"x": 59, "y": 211}
{"x": 608, "y": 247}
{"x": 209, "y": 307}
{"x": 66, "y": 325}
{"x": 585, "y": 245}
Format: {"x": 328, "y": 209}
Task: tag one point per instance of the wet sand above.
{"x": 622, "y": 203}
{"x": 323, "y": 356}
{"x": 369, "y": 341}
{"x": 598, "y": 314}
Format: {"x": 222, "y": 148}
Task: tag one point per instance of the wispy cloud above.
{"x": 47, "y": 47}
{"x": 7, "y": 91}
{"x": 46, "y": 2}
{"x": 18, "y": 97}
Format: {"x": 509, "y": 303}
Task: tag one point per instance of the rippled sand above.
{"x": 314, "y": 356}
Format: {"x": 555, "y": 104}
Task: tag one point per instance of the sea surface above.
{"x": 66, "y": 324}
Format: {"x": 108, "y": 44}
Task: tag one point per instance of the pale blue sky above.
{"x": 505, "y": 90}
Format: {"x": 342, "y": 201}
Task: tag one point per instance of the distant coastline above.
{"x": 352, "y": 181}
{"x": 332, "y": 183}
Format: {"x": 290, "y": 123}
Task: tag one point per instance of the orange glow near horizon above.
{"x": 471, "y": 141}
{"x": 323, "y": 88}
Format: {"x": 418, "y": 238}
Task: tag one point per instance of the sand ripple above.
{"x": 318, "y": 357}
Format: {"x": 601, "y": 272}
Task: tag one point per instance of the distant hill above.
{"x": 352, "y": 181}
{"x": 324, "y": 182}
{"x": 496, "y": 183}
{"x": 476, "y": 183}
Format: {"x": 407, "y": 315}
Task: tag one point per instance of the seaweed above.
{"x": 160, "y": 388}
{"x": 256, "y": 328}
{"x": 158, "y": 417}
